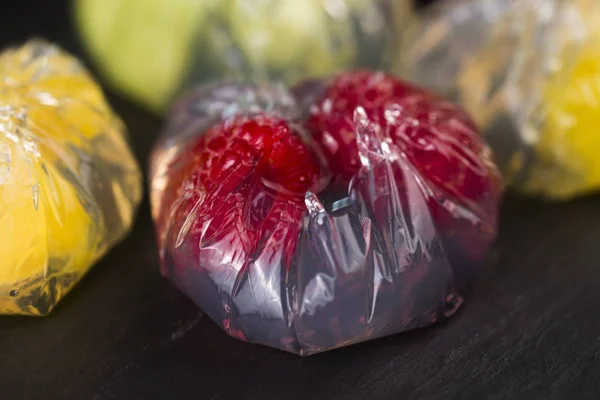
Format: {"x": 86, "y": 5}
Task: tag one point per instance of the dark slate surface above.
{"x": 531, "y": 330}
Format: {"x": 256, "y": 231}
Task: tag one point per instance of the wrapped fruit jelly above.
{"x": 69, "y": 184}
{"x": 528, "y": 71}
{"x": 340, "y": 211}
{"x": 152, "y": 51}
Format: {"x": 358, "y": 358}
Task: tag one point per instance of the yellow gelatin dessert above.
{"x": 151, "y": 50}
{"x": 529, "y": 73}
{"x": 69, "y": 184}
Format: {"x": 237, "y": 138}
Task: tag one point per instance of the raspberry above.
{"x": 435, "y": 137}
{"x": 243, "y": 171}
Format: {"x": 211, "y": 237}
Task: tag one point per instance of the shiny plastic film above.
{"x": 529, "y": 73}
{"x": 69, "y": 185}
{"x": 152, "y": 51}
{"x": 340, "y": 211}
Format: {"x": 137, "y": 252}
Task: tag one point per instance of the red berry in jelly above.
{"x": 347, "y": 209}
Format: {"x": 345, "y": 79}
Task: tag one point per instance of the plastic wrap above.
{"x": 528, "y": 71}
{"x": 69, "y": 184}
{"x": 151, "y": 51}
{"x": 285, "y": 244}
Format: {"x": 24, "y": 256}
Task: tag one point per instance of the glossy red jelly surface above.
{"x": 340, "y": 211}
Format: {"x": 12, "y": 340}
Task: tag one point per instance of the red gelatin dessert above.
{"x": 336, "y": 212}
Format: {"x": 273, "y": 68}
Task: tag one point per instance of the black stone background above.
{"x": 531, "y": 330}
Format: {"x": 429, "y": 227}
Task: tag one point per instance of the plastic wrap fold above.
{"x": 529, "y": 73}
{"x": 151, "y": 50}
{"x": 69, "y": 184}
{"x": 325, "y": 268}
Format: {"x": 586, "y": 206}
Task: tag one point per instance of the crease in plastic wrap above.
{"x": 529, "y": 73}
{"x": 153, "y": 51}
{"x": 69, "y": 184}
{"x": 283, "y": 248}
